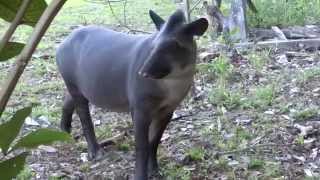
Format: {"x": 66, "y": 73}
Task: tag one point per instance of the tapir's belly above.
{"x": 106, "y": 94}
{"x": 104, "y": 85}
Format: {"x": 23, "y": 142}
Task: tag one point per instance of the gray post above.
{"x": 238, "y": 20}
{"x": 187, "y": 10}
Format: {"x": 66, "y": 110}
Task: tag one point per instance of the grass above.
{"x": 284, "y": 13}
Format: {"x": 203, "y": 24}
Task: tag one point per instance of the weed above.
{"x": 85, "y": 167}
{"x": 305, "y": 114}
{"x": 173, "y": 171}
{"x": 224, "y": 97}
{"x": 220, "y": 68}
{"x": 299, "y": 140}
{"x": 255, "y": 164}
{"x": 104, "y": 131}
{"x": 124, "y": 147}
{"x": 196, "y": 153}
{"x": 307, "y": 75}
{"x": 272, "y": 169}
{"x": 222, "y": 164}
{"x": 26, "y": 173}
{"x": 262, "y": 97}
{"x": 258, "y": 59}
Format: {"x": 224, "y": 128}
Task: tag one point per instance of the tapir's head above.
{"x": 173, "y": 49}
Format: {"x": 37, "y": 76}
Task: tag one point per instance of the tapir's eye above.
{"x": 172, "y": 45}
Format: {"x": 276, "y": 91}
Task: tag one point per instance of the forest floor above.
{"x": 253, "y": 117}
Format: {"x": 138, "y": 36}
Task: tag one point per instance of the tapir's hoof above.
{"x": 97, "y": 154}
{"x": 153, "y": 170}
{"x": 65, "y": 128}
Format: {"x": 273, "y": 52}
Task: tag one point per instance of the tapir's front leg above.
{"x": 141, "y": 126}
{"x": 157, "y": 127}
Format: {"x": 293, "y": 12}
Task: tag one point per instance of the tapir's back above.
{"x": 95, "y": 62}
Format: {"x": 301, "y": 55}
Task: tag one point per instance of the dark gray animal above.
{"x": 146, "y": 75}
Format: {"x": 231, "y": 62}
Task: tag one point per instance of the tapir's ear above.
{"x": 157, "y": 20}
{"x": 197, "y": 27}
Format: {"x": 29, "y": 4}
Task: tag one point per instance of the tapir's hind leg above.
{"x": 67, "y": 111}
{"x": 82, "y": 108}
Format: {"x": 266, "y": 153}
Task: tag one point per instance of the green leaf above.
{"x": 10, "y": 129}
{"x": 11, "y": 50}
{"x": 41, "y": 137}
{"x": 10, "y": 168}
{"x": 9, "y": 8}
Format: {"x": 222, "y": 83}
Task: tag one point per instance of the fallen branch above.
{"x": 279, "y": 33}
{"x": 279, "y": 44}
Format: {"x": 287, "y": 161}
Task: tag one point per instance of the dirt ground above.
{"x": 254, "y": 116}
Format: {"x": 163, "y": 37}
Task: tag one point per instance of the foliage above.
{"x": 10, "y": 50}
{"x": 10, "y": 167}
{"x": 9, "y": 9}
{"x": 14, "y": 150}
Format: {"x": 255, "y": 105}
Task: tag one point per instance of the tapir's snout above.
{"x": 155, "y": 69}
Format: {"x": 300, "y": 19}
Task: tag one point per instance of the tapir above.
{"x": 145, "y": 75}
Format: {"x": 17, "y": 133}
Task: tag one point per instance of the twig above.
{"x": 121, "y": 23}
{"x": 125, "y": 12}
{"x": 14, "y": 24}
{"x": 24, "y": 57}
{"x": 101, "y": 2}
{"x": 113, "y": 140}
{"x": 180, "y": 117}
